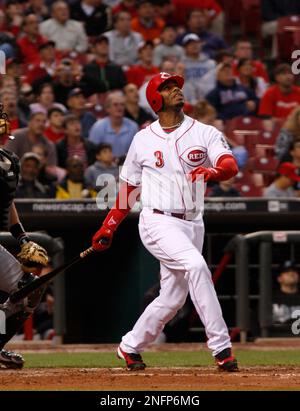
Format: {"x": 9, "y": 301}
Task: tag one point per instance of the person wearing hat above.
{"x": 286, "y": 299}
{"x": 76, "y": 103}
{"x": 142, "y": 72}
{"x": 106, "y": 74}
{"x": 282, "y": 98}
{"x": 286, "y": 177}
{"x": 146, "y": 23}
{"x": 197, "y": 65}
{"x": 29, "y": 186}
{"x": 45, "y": 65}
{"x": 30, "y": 42}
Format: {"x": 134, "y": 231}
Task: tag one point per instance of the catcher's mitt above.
{"x": 4, "y": 127}
{"x": 32, "y": 257}
{"x": 4, "y": 123}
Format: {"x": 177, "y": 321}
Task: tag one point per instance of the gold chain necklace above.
{"x": 175, "y": 126}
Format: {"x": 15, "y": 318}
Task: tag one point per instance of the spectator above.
{"x": 123, "y": 41}
{"x": 25, "y": 138}
{"x": 29, "y": 186}
{"x": 197, "y": 23}
{"x": 31, "y": 41}
{"x": 211, "y": 7}
{"x": 67, "y": 34}
{"x": 54, "y": 130}
{"x": 45, "y": 100}
{"x": 47, "y": 179}
{"x": 69, "y": 75}
{"x": 108, "y": 75}
{"x": 167, "y": 49}
{"x": 133, "y": 111}
{"x": 247, "y": 79}
{"x": 74, "y": 185}
{"x": 281, "y": 99}
{"x": 95, "y": 16}
{"x": 197, "y": 65}
{"x": 115, "y": 129}
{"x": 146, "y": 23}
{"x": 13, "y": 17}
{"x": 77, "y": 106}
{"x": 224, "y": 189}
{"x": 289, "y": 132}
{"x": 74, "y": 144}
{"x": 45, "y": 66}
{"x": 165, "y": 10}
{"x": 38, "y": 8}
{"x": 244, "y": 50}
{"x": 126, "y": 5}
{"x": 145, "y": 70}
{"x": 43, "y": 315}
{"x": 104, "y": 164}
{"x": 9, "y": 101}
{"x": 229, "y": 98}
{"x": 283, "y": 185}
{"x": 286, "y": 300}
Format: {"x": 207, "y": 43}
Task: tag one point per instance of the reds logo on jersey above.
{"x": 194, "y": 156}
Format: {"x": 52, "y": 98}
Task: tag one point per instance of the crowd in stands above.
{"x": 77, "y": 71}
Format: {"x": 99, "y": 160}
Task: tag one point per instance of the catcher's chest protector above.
{"x": 9, "y": 177}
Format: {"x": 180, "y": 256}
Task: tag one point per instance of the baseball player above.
{"x": 173, "y": 152}
{"x": 15, "y": 273}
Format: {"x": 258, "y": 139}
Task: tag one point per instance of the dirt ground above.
{"x": 204, "y": 378}
{"x": 151, "y": 379}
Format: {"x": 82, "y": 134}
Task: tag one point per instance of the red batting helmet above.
{"x": 153, "y": 96}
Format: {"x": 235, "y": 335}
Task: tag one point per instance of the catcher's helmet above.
{"x": 153, "y": 96}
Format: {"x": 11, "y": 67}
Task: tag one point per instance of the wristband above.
{"x": 19, "y": 233}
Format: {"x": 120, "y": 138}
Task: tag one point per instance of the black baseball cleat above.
{"x": 226, "y": 361}
{"x": 134, "y": 361}
{"x": 10, "y": 359}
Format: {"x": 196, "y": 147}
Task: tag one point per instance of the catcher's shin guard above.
{"x": 17, "y": 314}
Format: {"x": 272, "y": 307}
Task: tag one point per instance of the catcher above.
{"x": 15, "y": 273}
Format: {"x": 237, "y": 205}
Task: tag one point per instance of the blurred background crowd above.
{"x": 76, "y": 74}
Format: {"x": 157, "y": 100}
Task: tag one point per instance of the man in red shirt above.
{"x": 29, "y": 44}
{"x": 244, "y": 50}
{"x": 45, "y": 65}
{"x": 146, "y": 23}
{"x": 140, "y": 73}
{"x": 281, "y": 99}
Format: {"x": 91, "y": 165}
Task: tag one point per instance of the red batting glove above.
{"x": 209, "y": 174}
{"x": 102, "y": 239}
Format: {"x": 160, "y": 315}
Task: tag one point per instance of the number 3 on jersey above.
{"x": 159, "y": 159}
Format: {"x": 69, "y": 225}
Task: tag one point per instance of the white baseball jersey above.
{"x": 160, "y": 162}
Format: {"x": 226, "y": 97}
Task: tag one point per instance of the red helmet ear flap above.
{"x": 154, "y": 98}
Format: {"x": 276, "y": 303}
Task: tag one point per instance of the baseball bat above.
{"x": 34, "y": 285}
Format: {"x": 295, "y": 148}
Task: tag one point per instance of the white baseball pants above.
{"x": 177, "y": 244}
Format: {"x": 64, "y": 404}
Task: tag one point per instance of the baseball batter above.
{"x": 15, "y": 273}
{"x": 168, "y": 161}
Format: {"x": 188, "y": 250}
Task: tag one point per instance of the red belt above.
{"x": 177, "y": 215}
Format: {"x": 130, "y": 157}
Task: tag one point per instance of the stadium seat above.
{"x": 263, "y": 164}
{"x": 239, "y": 127}
{"x": 249, "y": 190}
{"x": 286, "y": 36}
